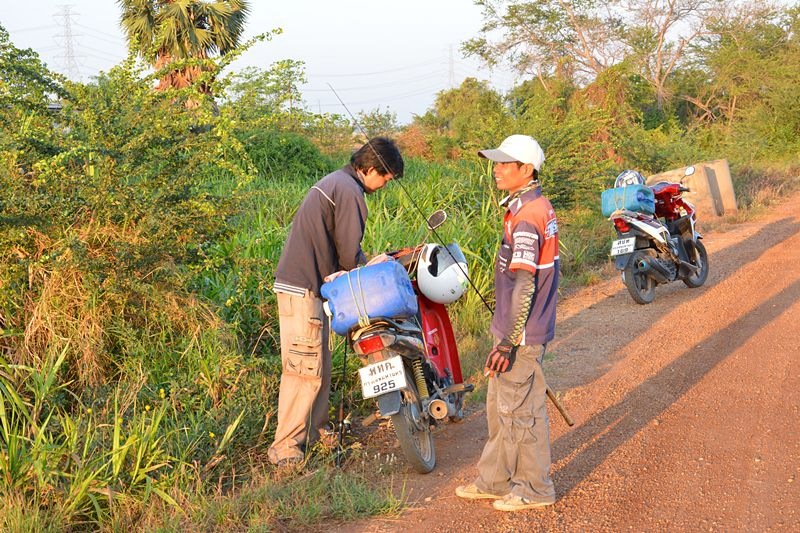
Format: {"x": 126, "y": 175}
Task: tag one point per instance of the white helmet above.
{"x": 442, "y": 273}
{"x": 629, "y": 177}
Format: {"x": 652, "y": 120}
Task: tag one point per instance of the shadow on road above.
{"x": 612, "y": 427}
{"x": 619, "y": 306}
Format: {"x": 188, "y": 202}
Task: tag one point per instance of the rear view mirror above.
{"x": 436, "y": 219}
{"x": 689, "y": 171}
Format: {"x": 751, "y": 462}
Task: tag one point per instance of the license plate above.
{"x": 382, "y": 377}
{"x": 623, "y": 246}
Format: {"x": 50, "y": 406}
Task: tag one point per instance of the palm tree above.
{"x": 165, "y": 31}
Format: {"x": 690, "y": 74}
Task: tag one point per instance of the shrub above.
{"x": 281, "y": 154}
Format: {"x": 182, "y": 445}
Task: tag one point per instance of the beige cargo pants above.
{"x": 305, "y": 378}
{"x": 516, "y": 458}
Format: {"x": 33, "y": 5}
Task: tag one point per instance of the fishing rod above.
{"x": 548, "y": 390}
{"x": 411, "y": 198}
{"x": 341, "y": 421}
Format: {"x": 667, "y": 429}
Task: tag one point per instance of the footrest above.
{"x": 458, "y": 387}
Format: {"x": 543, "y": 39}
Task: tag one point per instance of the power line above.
{"x": 103, "y": 52}
{"x": 407, "y": 67}
{"x": 37, "y": 28}
{"x": 451, "y": 69}
{"x": 387, "y": 98}
{"x": 100, "y": 32}
{"x": 422, "y": 77}
{"x": 100, "y": 36}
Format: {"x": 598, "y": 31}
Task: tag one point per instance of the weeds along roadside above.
{"x": 176, "y": 437}
{"x": 127, "y": 394}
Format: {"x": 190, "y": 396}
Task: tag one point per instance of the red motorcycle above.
{"x": 658, "y": 239}
{"x": 410, "y": 362}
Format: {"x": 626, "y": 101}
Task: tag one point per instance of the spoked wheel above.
{"x": 641, "y": 287}
{"x": 413, "y": 431}
{"x": 699, "y": 258}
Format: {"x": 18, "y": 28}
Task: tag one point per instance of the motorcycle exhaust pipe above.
{"x": 439, "y": 409}
{"x": 654, "y": 269}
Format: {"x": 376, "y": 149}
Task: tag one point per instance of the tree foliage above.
{"x": 257, "y": 94}
{"x": 464, "y": 118}
{"x": 551, "y": 38}
{"x": 165, "y": 31}
{"x": 580, "y": 40}
{"x": 742, "y": 87}
{"x": 119, "y": 203}
{"x": 26, "y": 87}
{"x": 263, "y": 101}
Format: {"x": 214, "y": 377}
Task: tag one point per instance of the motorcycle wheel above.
{"x": 700, "y": 260}
{"x": 641, "y": 287}
{"x": 413, "y": 432}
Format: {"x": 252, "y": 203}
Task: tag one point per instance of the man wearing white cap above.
{"x": 514, "y": 468}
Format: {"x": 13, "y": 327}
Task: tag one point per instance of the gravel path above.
{"x": 687, "y": 410}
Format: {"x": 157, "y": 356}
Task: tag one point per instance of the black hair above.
{"x": 380, "y": 153}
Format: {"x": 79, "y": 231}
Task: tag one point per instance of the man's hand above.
{"x": 331, "y": 277}
{"x": 499, "y": 358}
{"x": 380, "y": 258}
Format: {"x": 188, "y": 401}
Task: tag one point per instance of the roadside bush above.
{"x": 96, "y": 236}
{"x": 114, "y": 378}
{"x": 284, "y": 154}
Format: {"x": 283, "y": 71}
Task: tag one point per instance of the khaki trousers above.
{"x": 305, "y": 378}
{"x": 516, "y": 458}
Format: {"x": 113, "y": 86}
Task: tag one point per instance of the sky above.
{"x": 376, "y": 54}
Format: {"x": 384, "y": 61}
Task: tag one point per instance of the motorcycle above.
{"x": 410, "y": 366}
{"x": 661, "y": 246}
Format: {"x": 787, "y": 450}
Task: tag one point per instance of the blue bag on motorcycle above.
{"x": 377, "y": 290}
{"x": 638, "y": 198}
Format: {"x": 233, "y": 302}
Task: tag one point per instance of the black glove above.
{"x": 499, "y": 358}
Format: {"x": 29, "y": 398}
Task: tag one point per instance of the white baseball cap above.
{"x": 522, "y": 148}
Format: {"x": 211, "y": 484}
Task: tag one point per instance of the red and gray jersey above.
{"x": 530, "y": 242}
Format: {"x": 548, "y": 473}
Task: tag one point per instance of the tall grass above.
{"x": 162, "y": 420}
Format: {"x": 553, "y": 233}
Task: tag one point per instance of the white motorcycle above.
{"x": 658, "y": 239}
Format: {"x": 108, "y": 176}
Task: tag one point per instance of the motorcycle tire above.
{"x": 700, "y": 259}
{"x": 414, "y": 435}
{"x": 641, "y": 287}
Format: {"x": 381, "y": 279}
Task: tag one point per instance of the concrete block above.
{"x": 703, "y": 193}
{"x": 720, "y": 173}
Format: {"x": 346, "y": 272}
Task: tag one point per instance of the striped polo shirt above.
{"x": 530, "y": 242}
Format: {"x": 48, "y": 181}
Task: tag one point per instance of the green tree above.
{"x": 659, "y": 33}
{"x": 26, "y": 89}
{"x": 578, "y": 40}
{"x": 269, "y": 102}
{"x": 270, "y": 97}
{"x": 465, "y": 118}
{"x": 165, "y": 31}
{"x": 377, "y": 122}
{"x": 572, "y": 40}
{"x": 743, "y": 83}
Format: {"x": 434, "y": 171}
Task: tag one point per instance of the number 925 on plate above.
{"x": 382, "y": 377}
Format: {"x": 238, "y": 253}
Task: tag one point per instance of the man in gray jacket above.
{"x": 325, "y": 238}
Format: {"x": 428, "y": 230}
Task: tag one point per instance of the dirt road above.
{"x": 687, "y": 410}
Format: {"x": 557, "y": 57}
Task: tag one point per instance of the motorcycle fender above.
{"x": 621, "y": 261}
{"x": 389, "y": 403}
{"x": 653, "y": 230}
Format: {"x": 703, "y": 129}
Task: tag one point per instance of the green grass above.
{"x": 172, "y": 435}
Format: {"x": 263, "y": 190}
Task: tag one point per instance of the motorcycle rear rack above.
{"x": 383, "y": 322}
